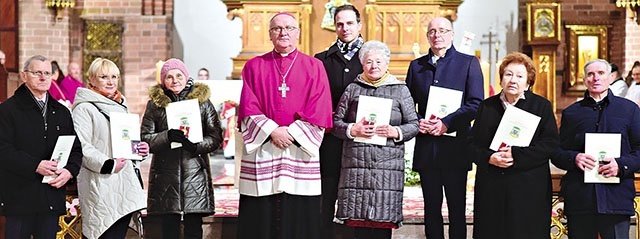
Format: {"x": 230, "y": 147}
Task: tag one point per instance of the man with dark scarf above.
{"x": 342, "y": 66}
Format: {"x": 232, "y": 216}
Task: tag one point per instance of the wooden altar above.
{"x": 402, "y": 25}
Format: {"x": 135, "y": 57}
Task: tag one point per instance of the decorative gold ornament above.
{"x": 59, "y": 5}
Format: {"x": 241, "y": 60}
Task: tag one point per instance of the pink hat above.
{"x": 171, "y": 64}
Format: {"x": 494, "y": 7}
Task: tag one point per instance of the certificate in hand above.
{"x": 600, "y": 146}
{"x": 515, "y": 129}
{"x": 442, "y": 102}
{"x": 185, "y": 115}
{"x": 61, "y": 153}
{"x": 376, "y": 111}
{"x": 125, "y": 135}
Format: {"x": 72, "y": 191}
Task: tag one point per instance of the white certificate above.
{"x": 61, "y": 153}
{"x": 516, "y": 128}
{"x": 600, "y": 146}
{"x": 125, "y": 135}
{"x": 376, "y": 111}
{"x": 185, "y": 116}
{"x": 442, "y": 102}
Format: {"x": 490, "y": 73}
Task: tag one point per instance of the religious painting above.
{"x": 543, "y": 22}
{"x": 584, "y": 43}
{"x": 330, "y": 12}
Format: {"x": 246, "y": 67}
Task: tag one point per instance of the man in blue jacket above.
{"x": 599, "y": 208}
{"x": 440, "y": 159}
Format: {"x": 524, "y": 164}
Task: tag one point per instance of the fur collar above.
{"x": 200, "y": 91}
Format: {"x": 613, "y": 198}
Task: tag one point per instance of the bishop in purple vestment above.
{"x": 284, "y": 109}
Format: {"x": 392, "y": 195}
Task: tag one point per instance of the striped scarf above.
{"x": 350, "y": 49}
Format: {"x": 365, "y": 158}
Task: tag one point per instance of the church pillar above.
{"x": 255, "y": 30}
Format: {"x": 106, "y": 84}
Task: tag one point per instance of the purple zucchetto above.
{"x": 171, "y": 64}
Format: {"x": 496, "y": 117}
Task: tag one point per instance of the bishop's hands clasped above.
{"x": 281, "y": 138}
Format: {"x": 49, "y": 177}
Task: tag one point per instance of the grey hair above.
{"x": 36, "y": 57}
{"x": 374, "y": 45}
{"x": 606, "y": 63}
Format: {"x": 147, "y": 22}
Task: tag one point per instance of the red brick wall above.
{"x": 146, "y": 38}
{"x": 622, "y": 35}
{"x": 40, "y": 32}
{"x": 631, "y": 45}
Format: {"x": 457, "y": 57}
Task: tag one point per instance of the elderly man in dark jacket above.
{"x": 30, "y": 124}
{"x": 441, "y": 160}
{"x": 599, "y": 208}
{"x": 342, "y": 66}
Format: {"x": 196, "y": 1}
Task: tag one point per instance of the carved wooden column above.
{"x": 255, "y": 30}
{"x": 543, "y": 35}
{"x": 403, "y": 26}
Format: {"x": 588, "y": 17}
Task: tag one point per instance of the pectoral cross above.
{"x": 283, "y": 89}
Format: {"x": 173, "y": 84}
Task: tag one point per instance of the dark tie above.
{"x": 41, "y": 104}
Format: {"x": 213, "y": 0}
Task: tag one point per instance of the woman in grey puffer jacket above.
{"x": 180, "y": 185}
{"x": 372, "y": 176}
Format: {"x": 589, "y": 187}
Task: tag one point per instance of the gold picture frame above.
{"x": 584, "y": 43}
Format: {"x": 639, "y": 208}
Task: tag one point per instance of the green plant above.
{"x": 411, "y": 178}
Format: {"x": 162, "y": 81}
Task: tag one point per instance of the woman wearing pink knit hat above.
{"x": 180, "y": 186}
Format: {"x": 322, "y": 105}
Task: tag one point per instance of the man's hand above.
{"x": 281, "y": 138}
{"x": 433, "y": 127}
{"x": 608, "y": 167}
{"x": 63, "y": 177}
{"x": 47, "y": 167}
{"x": 586, "y": 162}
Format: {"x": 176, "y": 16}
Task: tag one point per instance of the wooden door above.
{"x": 8, "y": 44}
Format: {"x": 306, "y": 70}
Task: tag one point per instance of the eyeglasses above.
{"x": 280, "y": 29}
{"x": 106, "y": 78}
{"x": 440, "y": 31}
{"x": 40, "y": 73}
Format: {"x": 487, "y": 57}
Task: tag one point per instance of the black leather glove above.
{"x": 175, "y": 135}
{"x": 188, "y": 145}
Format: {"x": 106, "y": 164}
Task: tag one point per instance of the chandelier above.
{"x": 59, "y": 5}
{"x": 633, "y": 8}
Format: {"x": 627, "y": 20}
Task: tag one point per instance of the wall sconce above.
{"x": 632, "y": 6}
{"x": 59, "y": 5}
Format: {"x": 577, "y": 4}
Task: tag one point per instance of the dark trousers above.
{"x": 41, "y": 226}
{"x": 329, "y": 196}
{"x": 118, "y": 230}
{"x": 372, "y": 233}
{"x": 192, "y": 226}
{"x": 607, "y": 226}
{"x": 455, "y": 185}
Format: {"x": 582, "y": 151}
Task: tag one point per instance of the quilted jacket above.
{"x": 104, "y": 198}
{"x": 180, "y": 181}
{"x": 372, "y": 176}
